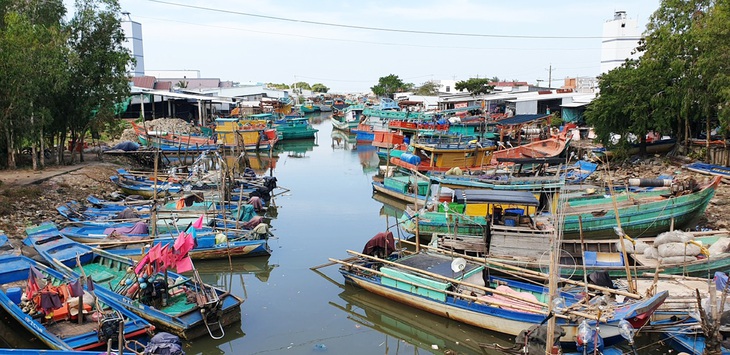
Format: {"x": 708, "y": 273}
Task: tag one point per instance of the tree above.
{"x": 32, "y": 48}
{"x": 429, "y": 88}
{"x": 318, "y": 87}
{"x": 475, "y": 86}
{"x": 301, "y": 86}
{"x": 98, "y": 65}
{"x": 389, "y": 85}
{"x": 281, "y": 86}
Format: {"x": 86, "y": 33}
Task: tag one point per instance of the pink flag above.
{"x": 184, "y": 265}
{"x": 184, "y": 244}
{"x": 198, "y": 222}
{"x": 141, "y": 264}
{"x": 154, "y": 253}
{"x": 179, "y": 241}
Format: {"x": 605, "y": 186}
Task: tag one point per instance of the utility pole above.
{"x": 550, "y": 76}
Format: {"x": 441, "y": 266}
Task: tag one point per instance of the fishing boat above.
{"x": 210, "y": 243}
{"x": 184, "y": 306}
{"x": 45, "y": 303}
{"x": 546, "y": 148}
{"x": 297, "y": 127}
{"x": 580, "y": 259}
{"x": 146, "y": 136}
{"x": 248, "y": 134}
{"x": 709, "y": 169}
{"x": 351, "y": 118}
{"x": 405, "y": 187}
{"x": 643, "y": 213}
{"x": 465, "y": 155}
{"x": 655, "y": 147}
{"x": 458, "y": 289}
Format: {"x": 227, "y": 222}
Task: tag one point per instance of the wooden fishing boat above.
{"x": 51, "y": 313}
{"x": 165, "y": 303}
{"x": 465, "y": 155}
{"x": 656, "y": 147}
{"x": 685, "y": 335}
{"x": 210, "y": 243}
{"x": 709, "y": 169}
{"x": 353, "y": 114}
{"x": 546, "y": 148}
{"x": 644, "y": 213}
{"x": 171, "y": 138}
{"x": 579, "y": 259}
{"x": 457, "y": 289}
{"x": 145, "y": 190}
{"x": 405, "y": 187}
{"x": 294, "y": 128}
{"x": 251, "y": 135}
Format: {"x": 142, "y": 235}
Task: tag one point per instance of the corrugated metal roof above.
{"x": 179, "y": 95}
{"x": 147, "y": 82}
{"x": 163, "y": 85}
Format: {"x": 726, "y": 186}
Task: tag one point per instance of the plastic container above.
{"x": 510, "y": 222}
{"x": 514, "y": 212}
{"x": 14, "y": 294}
{"x": 410, "y": 158}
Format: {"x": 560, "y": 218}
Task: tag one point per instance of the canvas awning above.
{"x": 523, "y": 198}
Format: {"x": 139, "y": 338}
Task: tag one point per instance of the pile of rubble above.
{"x": 170, "y": 125}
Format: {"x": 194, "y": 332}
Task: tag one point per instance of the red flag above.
{"x": 198, "y": 222}
{"x": 32, "y": 284}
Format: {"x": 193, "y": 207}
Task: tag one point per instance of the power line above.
{"x": 582, "y": 48}
{"x": 384, "y": 29}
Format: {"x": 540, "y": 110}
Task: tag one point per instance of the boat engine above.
{"x": 109, "y": 326}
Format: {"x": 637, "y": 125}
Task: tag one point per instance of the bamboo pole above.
{"x": 455, "y": 281}
{"x": 529, "y": 272}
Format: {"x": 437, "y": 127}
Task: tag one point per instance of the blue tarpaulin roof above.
{"x": 524, "y": 198}
{"x": 519, "y": 119}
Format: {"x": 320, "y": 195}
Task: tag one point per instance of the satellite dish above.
{"x": 458, "y": 265}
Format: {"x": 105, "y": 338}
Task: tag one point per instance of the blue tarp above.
{"x": 127, "y": 146}
{"x": 519, "y": 119}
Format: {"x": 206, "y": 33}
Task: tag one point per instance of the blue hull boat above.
{"x": 49, "y": 313}
{"x": 183, "y": 306}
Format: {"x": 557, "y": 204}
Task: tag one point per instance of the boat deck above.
{"x": 177, "y": 304}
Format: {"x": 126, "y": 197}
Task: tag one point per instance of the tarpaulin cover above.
{"x": 382, "y": 241}
{"x": 519, "y": 119}
{"x": 137, "y": 228}
{"x": 524, "y": 198}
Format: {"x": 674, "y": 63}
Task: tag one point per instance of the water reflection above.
{"x": 422, "y": 330}
{"x": 297, "y": 148}
{"x": 218, "y": 272}
{"x": 343, "y": 140}
{"x": 368, "y": 155}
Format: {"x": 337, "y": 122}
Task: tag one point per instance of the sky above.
{"x": 348, "y": 45}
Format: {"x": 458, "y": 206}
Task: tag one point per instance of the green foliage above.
{"x": 318, "y": 87}
{"x": 475, "y": 86}
{"x": 389, "y": 85}
{"x": 429, "y": 88}
{"x": 679, "y": 84}
{"x": 114, "y": 128}
{"x": 281, "y": 86}
{"x": 301, "y": 85}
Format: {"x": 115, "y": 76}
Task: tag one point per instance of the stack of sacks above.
{"x": 720, "y": 246}
{"x": 672, "y": 248}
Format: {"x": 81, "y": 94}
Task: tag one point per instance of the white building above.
{"x": 133, "y": 42}
{"x": 620, "y": 37}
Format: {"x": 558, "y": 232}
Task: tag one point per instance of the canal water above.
{"x": 291, "y": 309}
